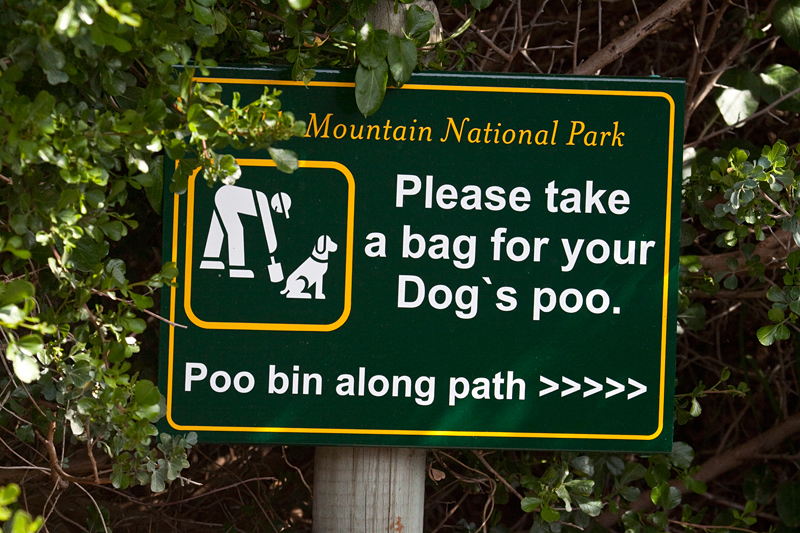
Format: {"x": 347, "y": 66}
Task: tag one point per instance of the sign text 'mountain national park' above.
{"x": 328, "y": 128}
{"x": 488, "y": 262}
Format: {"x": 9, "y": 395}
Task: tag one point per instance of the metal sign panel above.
{"x": 488, "y": 261}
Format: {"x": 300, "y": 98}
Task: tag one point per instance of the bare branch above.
{"x": 621, "y": 45}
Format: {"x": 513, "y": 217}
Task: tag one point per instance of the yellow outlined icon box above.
{"x": 271, "y": 325}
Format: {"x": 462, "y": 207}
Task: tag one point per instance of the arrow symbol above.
{"x": 634, "y": 383}
{"x": 597, "y": 387}
{"x": 553, "y": 386}
{"x": 618, "y": 387}
{"x": 574, "y": 387}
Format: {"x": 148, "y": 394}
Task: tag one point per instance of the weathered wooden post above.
{"x": 373, "y": 490}
{"x": 368, "y": 490}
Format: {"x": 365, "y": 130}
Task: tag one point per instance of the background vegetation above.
{"x": 90, "y": 104}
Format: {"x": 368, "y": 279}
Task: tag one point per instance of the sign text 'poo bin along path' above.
{"x": 487, "y": 262}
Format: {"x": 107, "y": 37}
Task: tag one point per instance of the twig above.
{"x": 599, "y": 25}
{"x": 450, "y": 512}
{"x": 774, "y": 203}
{"x": 700, "y": 526}
{"x": 493, "y": 471}
{"x": 621, "y": 45}
{"x": 89, "y": 444}
{"x": 170, "y": 322}
{"x": 723, "y": 501}
{"x": 302, "y": 478}
{"x": 728, "y": 61}
{"x": 80, "y": 527}
{"x": 56, "y": 472}
{"x": 114, "y": 297}
{"x": 720, "y": 464}
{"x": 499, "y": 51}
{"x": 196, "y": 496}
{"x": 20, "y": 384}
{"x": 705, "y": 45}
{"x": 766, "y": 110}
{"x": 97, "y": 506}
{"x": 577, "y": 37}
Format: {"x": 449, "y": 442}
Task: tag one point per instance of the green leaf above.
{"x": 11, "y": 315}
{"x": 694, "y": 316}
{"x": 155, "y": 192}
{"x": 549, "y": 514}
{"x": 141, "y": 301}
{"x": 580, "y": 486}
{"x": 87, "y": 253}
{"x": 660, "y": 519}
{"x": 695, "y": 409}
{"x": 666, "y": 496}
{"x": 285, "y": 160}
{"x": 738, "y": 99}
{"x": 22, "y": 522}
{"x": 372, "y": 46}
{"x": 147, "y": 399}
{"x": 402, "y": 58}
{"x": 530, "y": 504}
{"x": 584, "y": 464}
{"x": 480, "y": 4}
{"x": 116, "y": 269}
{"x": 633, "y": 471}
{"x": 778, "y": 80}
{"x": 630, "y": 493}
{"x": 50, "y": 58}
{"x": 787, "y": 500}
{"x": 786, "y": 17}
{"x": 419, "y": 23}
{"x": 146, "y": 393}
{"x": 9, "y": 494}
{"x": 16, "y": 291}
{"x": 203, "y": 14}
{"x": 30, "y": 345}
{"x": 615, "y": 464}
{"x": 592, "y": 508}
{"x": 793, "y": 260}
{"x": 157, "y": 481}
{"x": 759, "y": 484}
{"x": 658, "y": 491}
{"x": 371, "y": 87}
{"x": 682, "y": 455}
{"x": 114, "y": 230}
{"x": 120, "y": 479}
{"x": 359, "y": 8}
{"x": 766, "y": 334}
{"x": 776, "y": 315}
{"x": 136, "y": 325}
{"x": 694, "y": 485}
{"x": 688, "y": 234}
{"x": 220, "y": 22}
{"x": 26, "y": 368}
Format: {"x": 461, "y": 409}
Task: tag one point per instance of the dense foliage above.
{"x": 90, "y": 103}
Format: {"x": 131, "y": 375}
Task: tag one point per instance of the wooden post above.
{"x": 368, "y": 490}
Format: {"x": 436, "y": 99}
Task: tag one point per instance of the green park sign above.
{"x": 487, "y": 262}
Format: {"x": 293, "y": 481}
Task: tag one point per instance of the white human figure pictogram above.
{"x": 231, "y": 202}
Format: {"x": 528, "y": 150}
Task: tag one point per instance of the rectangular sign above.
{"x": 486, "y": 262}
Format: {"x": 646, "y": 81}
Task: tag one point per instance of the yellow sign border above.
{"x": 259, "y": 326}
{"x": 444, "y": 433}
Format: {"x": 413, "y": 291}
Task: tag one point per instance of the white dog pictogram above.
{"x": 311, "y": 271}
